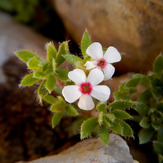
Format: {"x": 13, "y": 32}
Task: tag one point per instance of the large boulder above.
{"x": 134, "y": 27}
{"x": 93, "y": 150}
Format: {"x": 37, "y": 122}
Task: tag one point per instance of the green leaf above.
{"x": 51, "y": 51}
{"x": 50, "y": 83}
{"x": 116, "y": 127}
{"x": 160, "y": 106}
{"x": 101, "y": 107}
{"x": 50, "y": 99}
{"x": 72, "y": 59}
{"x": 110, "y": 117}
{"x": 145, "y": 122}
{"x": 145, "y": 135}
{"x": 85, "y": 42}
{"x": 62, "y": 74}
{"x": 120, "y": 114}
{"x": 29, "y": 80}
{"x": 71, "y": 110}
{"x": 133, "y": 82}
{"x": 57, "y": 107}
{"x": 127, "y": 130}
{"x": 106, "y": 122}
{"x": 25, "y": 55}
{"x": 121, "y": 104}
{"x": 100, "y": 118}
{"x": 33, "y": 63}
{"x": 160, "y": 135}
{"x": 63, "y": 49}
{"x": 158, "y": 64}
{"x": 104, "y": 134}
{"x": 116, "y": 96}
{"x": 88, "y": 126}
{"x": 158, "y": 147}
{"x": 56, "y": 118}
{"x": 141, "y": 108}
{"x": 145, "y": 96}
{"x": 39, "y": 74}
{"x": 54, "y": 65}
{"x": 143, "y": 80}
{"x": 42, "y": 91}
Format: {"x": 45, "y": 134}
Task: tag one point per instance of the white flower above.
{"x": 85, "y": 88}
{"x": 102, "y": 61}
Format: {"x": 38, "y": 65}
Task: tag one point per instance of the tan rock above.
{"x": 93, "y": 150}
{"x": 134, "y": 27}
{"x": 14, "y": 37}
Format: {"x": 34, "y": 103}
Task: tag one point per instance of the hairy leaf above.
{"x": 145, "y": 135}
{"x": 72, "y": 59}
{"x": 127, "y": 130}
{"x": 85, "y": 42}
{"x": 39, "y": 74}
{"x": 145, "y": 122}
{"x": 29, "y": 80}
{"x": 158, "y": 64}
{"x": 120, "y": 114}
{"x": 88, "y": 126}
{"x": 100, "y": 118}
{"x": 51, "y": 51}
{"x": 141, "y": 108}
{"x": 62, "y": 74}
{"x": 133, "y": 82}
{"x": 104, "y": 134}
{"x": 116, "y": 127}
{"x": 145, "y": 96}
{"x": 56, "y": 118}
{"x": 42, "y": 91}
{"x": 25, "y": 55}
{"x": 101, "y": 107}
{"x": 50, "y": 83}
{"x": 120, "y": 104}
{"x": 71, "y": 110}
{"x": 63, "y": 49}
{"x": 158, "y": 147}
{"x": 33, "y": 63}
{"x": 50, "y": 99}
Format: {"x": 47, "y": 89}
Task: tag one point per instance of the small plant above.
{"x": 149, "y": 104}
{"x": 83, "y": 83}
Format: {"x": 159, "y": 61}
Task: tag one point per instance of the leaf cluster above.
{"x": 48, "y": 75}
{"x": 149, "y": 104}
{"x": 111, "y": 118}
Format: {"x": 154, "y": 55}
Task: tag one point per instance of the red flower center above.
{"x": 86, "y": 88}
{"x": 102, "y": 63}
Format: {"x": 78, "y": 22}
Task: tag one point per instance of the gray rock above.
{"x": 134, "y": 27}
{"x": 93, "y": 150}
{"x": 14, "y": 37}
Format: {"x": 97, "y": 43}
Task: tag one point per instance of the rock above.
{"x": 93, "y": 150}
{"x": 134, "y": 27}
{"x": 25, "y": 126}
{"x": 14, "y": 37}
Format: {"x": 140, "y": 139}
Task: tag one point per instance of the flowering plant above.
{"x": 83, "y": 83}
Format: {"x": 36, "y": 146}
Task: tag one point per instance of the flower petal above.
{"x": 95, "y": 76}
{"x": 108, "y": 71}
{"x": 112, "y": 55}
{"x": 95, "y": 50}
{"x": 101, "y": 92}
{"x": 71, "y": 93}
{"x": 77, "y": 76}
{"x": 86, "y": 102}
{"x": 89, "y": 65}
